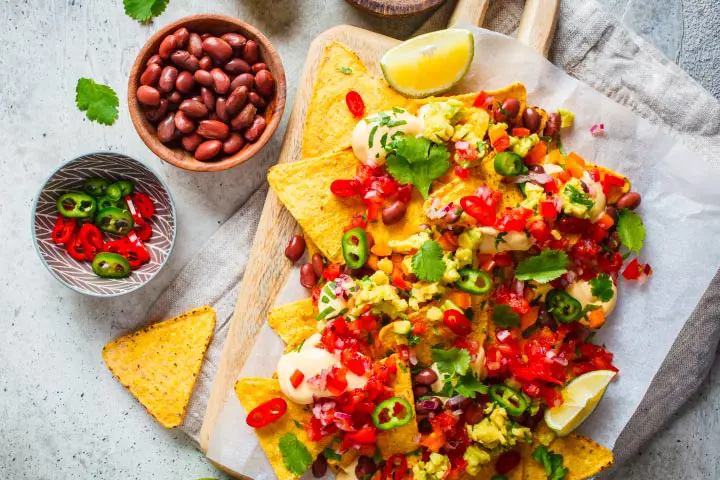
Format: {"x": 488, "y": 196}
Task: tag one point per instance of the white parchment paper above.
{"x": 680, "y": 209}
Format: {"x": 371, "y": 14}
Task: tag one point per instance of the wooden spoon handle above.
{"x": 472, "y": 11}
{"x": 537, "y": 24}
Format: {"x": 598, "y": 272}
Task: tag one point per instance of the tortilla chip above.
{"x": 329, "y": 124}
{"x": 294, "y": 322}
{"x": 400, "y": 440}
{"x": 159, "y": 364}
{"x": 312, "y": 249}
{"x": 481, "y": 319}
{"x": 435, "y": 334}
{"x": 514, "y": 90}
{"x": 304, "y": 189}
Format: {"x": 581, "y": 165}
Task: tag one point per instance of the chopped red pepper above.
{"x": 547, "y": 209}
{"x": 75, "y": 248}
{"x": 355, "y": 103}
{"x": 346, "y": 188}
{"x": 331, "y": 272}
{"x": 520, "y": 132}
{"x": 480, "y": 100}
{"x": 502, "y": 143}
{"x": 296, "y": 378}
{"x": 609, "y": 181}
{"x": 462, "y": 173}
{"x": 63, "y": 230}
{"x": 514, "y": 219}
{"x": 636, "y": 270}
{"x": 92, "y": 241}
{"x": 336, "y": 381}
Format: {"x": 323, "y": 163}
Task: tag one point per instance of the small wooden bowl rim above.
{"x": 406, "y": 8}
{"x": 273, "y": 113}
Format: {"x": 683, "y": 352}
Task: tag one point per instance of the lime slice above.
{"x": 429, "y": 64}
{"x": 581, "y": 397}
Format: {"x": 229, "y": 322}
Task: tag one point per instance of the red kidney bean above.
{"x": 307, "y": 276}
{"x": 236, "y": 101}
{"x": 629, "y": 200}
{"x": 205, "y": 35}
{"x": 421, "y": 390}
{"x": 244, "y": 118}
{"x": 394, "y": 212}
{"x": 184, "y": 123}
{"x": 250, "y": 52}
{"x": 255, "y": 129}
{"x": 208, "y": 98}
{"x": 156, "y": 114}
{"x": 295, "y": 248}
{"x": 257, "y": 67}
{"x": 208, "y": 150}
{"x": 233, "y": 144}
{"x": 429, "y": 405}
{"x": 166, "y": 128}
{"x": 195, "y": 45}
{"x": 221, "y": 110}
{"x": 213, "y": 129}
{"x": 366, "y": 467}
{"x": 244, "y": 79}
{"x": 426, "y": 376}
{"x": 218, "y": 49}
{"x": 155, "y": 59}
{"x": 237, "y": 66}
{"x": 235, "y": 40}
{"x": 174, "y": 98}
{"x": 613, "y": 212}
{"x": 319, "y": 466}
{"x": 474, "y": 412}
{"x": 265, "y": 83}
{"x": 166, "y": 84}
{"x": 552, "y": 127}
{"x": 167, "y": 47}
{"x": 509, "y": 110}
{"x": 206, "y": 63}
{"x": 256, "y": 100}
{"x": 192, "y": 141}
{"x": 194, "y": 108}
{"x": 151, "y": 75}
{"x": 182, "y": 35}
{"x": 221, "y": 82}
{"x": 185, "y": 82}
{"x": 531, "y": 119}
{"x": 183, "y": 59}
{"x": 212, "y": 116}
{"x": 204, "y": 78}
{"x": 148, "y": 96}
{"x": 318, "y": 264}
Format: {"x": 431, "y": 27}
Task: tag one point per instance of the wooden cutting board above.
{"x": 267, "y": 269}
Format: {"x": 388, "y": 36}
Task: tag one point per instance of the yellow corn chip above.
{"x": 312, "y": 249}
{"x": 160, "y": 363}
{"x": 294, "y": 322}
{"x": 514, "y": 90}
{"x": 400, "y": 440}
{"x": 329, "y": 124}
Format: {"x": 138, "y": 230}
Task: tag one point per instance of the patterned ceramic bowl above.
{"x": 69, "y": 177}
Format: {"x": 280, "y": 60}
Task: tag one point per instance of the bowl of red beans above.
{"x": 104, "y": 224}
{"x": 207, "y": 92}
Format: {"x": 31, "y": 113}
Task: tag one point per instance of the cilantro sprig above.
{"x": 295, "y": 454}
{"x": 99, "y": 102}
{"x": 428, "y": 263}
{"x": 468, "y": 385}
{"x": 454, "y": 361}
{"x": 578, "y": 197}
{"x": 631, "y": 230}
{"x": 416, "y": 161}
{"x": 144, "y": 10}
{"x": 543, "y": 268}
{"x": 602, "y": 287}
{"x": 552, "y": 462}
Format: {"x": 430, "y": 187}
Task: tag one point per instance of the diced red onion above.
{"x": 539, "y": 178}
{"x": 570, "y": 276}
{"x": 412, "y": 358}
{"x": 502, "y": 335}
{"x": 456, "y": 400}
{"x": 343, "y": 284}
{"x": 347, "y": 420}
{"x": 518, "y": 287}
{"x": 597, "y": 130}
{"x": 462, "y": 145}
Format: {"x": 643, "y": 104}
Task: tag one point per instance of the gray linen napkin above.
{"x": 591, "y": 45}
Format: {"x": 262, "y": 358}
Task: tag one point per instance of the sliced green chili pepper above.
{"x": 127, "y": 187}
{"x": 522, "y": 186}
{"x": 105, "y": 202}
{"x": 508, "y": 164}
{"x": 392, "y": 413}
{"x": 509, "y": 399}
{"x": 114, "y": 220}
{"x": 95, "y": 187}
{"x": 111, "y": 265}
{"x": 355, "y": 248}
{"x": 563, "y": 306}
{"x": 76, "y": 205}
{"x": 114, "y": 191}
{"x": 474, "y": 281}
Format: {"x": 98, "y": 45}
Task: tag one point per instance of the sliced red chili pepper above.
{"x": 296, "y": 378}
{"x": 346, "y": 188}
{"x": 355, "y": 103}
{"x": 267, "y": 412}
{"x": 396, "y": 468}
{"x": 144, "y": 205}
{"x": 478, "y": 209}
{"x": 457, "y": 322}
{"x": 92, "y": 241}
{"x": 75, "y": 248}
{"x": 136, "y": 215}
{"x": 144, "y": 231}
{"x": 63, "y": 229}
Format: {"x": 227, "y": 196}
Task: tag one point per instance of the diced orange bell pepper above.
{"x": 448, "y": 240}
{"x": 502, "y": 143}
{"x": 381, "y": 249}
{"x": 596, "y": 318}
{"x": 537, "y": 154}
{"x": 434, "y": 441}
{"x": 556, "y": 157}
{"x": 373, "y": 261}
{"x": 575, "y": 164}
{"x": 520, "y": 132}
{"x": 528, "y": 319}
{"x": 606, "y": 221}
{"x": 461, "y": 299}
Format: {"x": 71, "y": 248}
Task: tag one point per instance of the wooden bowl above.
{"x": 216, "y": 25}
{"x": 394, "y": 8}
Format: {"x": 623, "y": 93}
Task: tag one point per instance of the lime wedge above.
{"x": 581, "y": 397}
{"x": 429, "y": 64}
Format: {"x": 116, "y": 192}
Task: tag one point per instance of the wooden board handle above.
{"x": 472, "y": 11}
{"x": 537, "y": 24}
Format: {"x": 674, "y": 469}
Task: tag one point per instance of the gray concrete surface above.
{"x": 62, "y": 415}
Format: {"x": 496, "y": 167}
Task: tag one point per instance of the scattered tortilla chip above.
{"x": 160, "y": 363}
{"x": 329, "y": 124}
{"x": 400, "y": 440}
{"x": 252, "y": 392}
{"x": 294, "y": 322}
{"x": 304, "y": 188}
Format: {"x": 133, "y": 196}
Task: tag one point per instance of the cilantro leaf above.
{"x": 452, "y": 362}
{"x": 296, "y": 456}
{"x": 578, "y": 197}
{"x": 144, "y": 10}
{"x": 602, "y": 287}
{"x": 331, "y": 454}
{"x": 631, "y": 230}
{"x": 345, "y": 70}
{"x": 413, "y": 339}
{"x": 417, "y": 161}
{"x": 428, "y": 263}
{"x": 99, "y": 101}
{"x": 468, "y": 385}
{"x": 505, "y": 317}
{"x": 553, "y": 463}
{"x": 547, "y": 266}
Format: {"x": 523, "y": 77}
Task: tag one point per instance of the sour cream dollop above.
{"x": 512, "y": 241}
{"x": 367, "y": 138}
{"x": 582, "y": 292}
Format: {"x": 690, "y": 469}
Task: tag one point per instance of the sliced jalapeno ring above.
{"x": 474, "y": 281}
{"x": 76, "y": 205}
{"x": 508, "y": 164}
{"x": 95, "y": 187}
{"x": 564, "y": 307}
{"x": 355, "y": 248}
{"x": 105, "y": 202}
{"x": 509, "y": 399}
{"x": 114, "y": 220}
{"x": 392, "y": 413}
{"x": 111, "y": 265}
{"x": 114, "y": 191}
{"x": 127, "y": 187}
